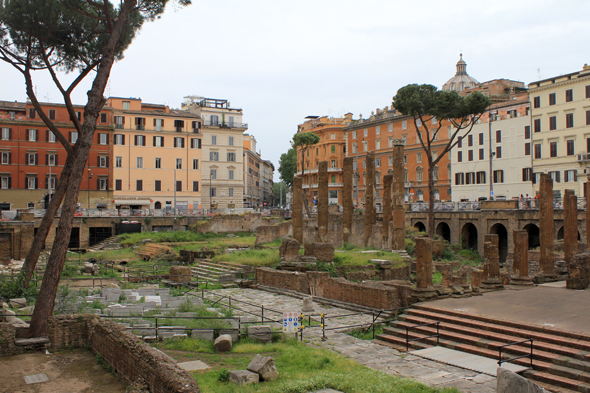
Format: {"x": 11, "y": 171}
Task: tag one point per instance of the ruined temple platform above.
{"x": 546, "y": 306}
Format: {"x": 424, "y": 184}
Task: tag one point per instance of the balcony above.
{"x": 217, "y": 123}
{"x": 583, "y": 157}
{"x": 119, "y": 126}
{"x": 141, "y": 128}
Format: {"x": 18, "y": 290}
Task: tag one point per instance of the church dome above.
{"x": 461, "y": 80}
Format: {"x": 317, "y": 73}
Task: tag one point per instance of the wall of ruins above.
{"x": 269, "y": 233}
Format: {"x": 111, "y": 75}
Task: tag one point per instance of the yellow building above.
{"x": 156, "y": 156}
{"x": 560, "y": 124}
{"x": 253, "y": 166}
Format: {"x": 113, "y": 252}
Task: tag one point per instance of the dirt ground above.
{"x": 68, "y": 372}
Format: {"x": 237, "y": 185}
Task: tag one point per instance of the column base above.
{"x": 492, "y": 284}
{"x": 424, "y": 294}
{"x": 520, "y": 282}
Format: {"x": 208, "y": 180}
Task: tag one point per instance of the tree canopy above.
{"x": 305, "y": 139}
{"x": 288, "y": 166}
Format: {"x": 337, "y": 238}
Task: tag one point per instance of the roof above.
{"x": 461, "y": 80}
{"x": 12, "y": 105}
{"x": 172, "y": 113}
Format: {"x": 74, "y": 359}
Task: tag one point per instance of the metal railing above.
{"x": 218, "y": 123}
{"x": 437, "y": 335}
{"x": 530, "y": 355}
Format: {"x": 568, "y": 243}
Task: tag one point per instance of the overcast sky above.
{"x": 282, "y": 60}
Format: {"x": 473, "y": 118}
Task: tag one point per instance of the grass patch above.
{"x": 360, "y": 259}
{"x": 265, "y": 257}
{"x": 174, "y": 237}
{"x": 365, "y": 334}
{"x": 437, "y": 277}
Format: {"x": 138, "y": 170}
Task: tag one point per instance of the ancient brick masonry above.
{"x": 587, "y": 193}
{"x": 398, "y": 210}
{"x": 546, "y": 225}
{"x": 491, "y": 269}
{"x": 423, "y": 262}
{"x": 387, "y": 179}
{"x": 297, "y": 216}
{"x": 347, "y": 174}
{"x": 323, "y": 201}
{"x": 369, "y": 200}
{"x": 570, "y": 225}
{"x": 520, "y": 265}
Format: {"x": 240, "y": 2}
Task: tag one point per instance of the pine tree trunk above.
{"x": 430, "y": 200}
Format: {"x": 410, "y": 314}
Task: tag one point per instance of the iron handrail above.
{"x": 437, "y": 335}
{"x": 530, "y": 355}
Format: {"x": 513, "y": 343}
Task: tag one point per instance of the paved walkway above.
{"x": 371, "y": 354}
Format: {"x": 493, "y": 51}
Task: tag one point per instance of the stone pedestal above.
{"x": 323, "y": 201}
{"x": 520, "y": 266}
{"x": 570, "y": 225}
{"x": 347, "y": 207}
{"x": 398, "y": 209}
{"x": 546, "y": 227}
{"x": 297, "y": 215}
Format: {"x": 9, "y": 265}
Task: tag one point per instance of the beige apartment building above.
{"x": 268, "y": 169}
{"x": 560, "y": 117}
{"x": 156, "y": 156}
{"x": 253, "y": 168}
{"x": 222, "y": 133}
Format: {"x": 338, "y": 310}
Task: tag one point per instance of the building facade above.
{"x": 253, "y": 189}
{"x": 268, "y": 196}
{"x": 560, "y": 114}
{"x": 156, "y": 156}
{"x": 223, "y": 133}
{"x": 32, "y": 159}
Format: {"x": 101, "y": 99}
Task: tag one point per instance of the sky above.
{"x": 281, "y": 61}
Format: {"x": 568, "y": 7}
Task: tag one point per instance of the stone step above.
{"x": 227, "y": 265}
{"x": 555, "y": 380}
{"x": 216, "y": 269}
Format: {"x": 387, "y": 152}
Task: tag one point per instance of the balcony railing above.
{"x": 210, "y": 123}
{"x": 584, "y": 157}
{"x": 119, "y": 126}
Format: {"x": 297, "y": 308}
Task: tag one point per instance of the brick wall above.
{"x": 269, "y": 233}
{"x": 247, "y": 222}
{"x": 293, "y": 281}
{"x": 7, "y": 336}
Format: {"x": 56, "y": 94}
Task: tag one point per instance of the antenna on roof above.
{"x": 538, "y": 73}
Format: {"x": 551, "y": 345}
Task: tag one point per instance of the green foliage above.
{"x": 264, "y": 257}
{"x": 122, "y": 297}
{"x": 70, "y": 270}
{"x": 10, "y": 289}
{"x": 355, "y": 258}
{"x": 348, "y": 246}
{"x": 101, "y": 362}
{"x": 447, "y": 254}
{"x": 223, "y": 375}
{"x": 365, "y": 334}
{"x": 305, "y": 139}
{"x": 410, "y": 246}
{"x": 437, "y": 277}
{"x": 277, "y": 191}
{"x": 327, "y": 267}
{"x": 171, "y": 237}
{"x": 288, "y": 166}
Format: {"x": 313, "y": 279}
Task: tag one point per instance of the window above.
{"x": 499, "y": 136}
{"x": 195, "y": 186}
{"x": 178, "y": 141}
{"x": 158, "y": 185}
{"x": 419, "y": 158}
{"x": 74, "y": 136}
{"x": 405, "y": 139}
{"x": 195, "y": 143}
{"x": 570, "y": 176}
{"x": 555, "y": 176}
{"x": 32, "y": 183}
{"x": 178, "y": 185}
{"x": 569, "y": 95}
{"x": 588, "y": 118}
{"x": 569, "y": 120}
{"x": 527, "y": 132}
{"x": 459, "y": 156}
{"x": 332, "y": 136}
{"x": 588, "y": 91}
{"x": 119, "y": 139}
{"x": 354, "y": 148}
{"x": 231, "y": 174}
{"x": 470, "y": 178}
{"x": 366, "y": 132}
{"x": 435, "y": 173}
{"x": 333, "y": 179}
{"x": 119, "y": 122}
{"x": 552, "y": 149}
{"x": 32, "y": 135}
{"x": 139, "y": 185}
{"x": 433, "y": 121}
{"x": 469, "y": 140}
{"x": 537, "y": 125}
{"x": 32, "y": 158}
{"x": 51, "y": 159}
{"x": 231, "y": 121}
{"x": 214, "y": 174}
{"x": 552, "y": 123}
{"x": 103, "y": 161}
{"x": 527, "y": 174}
{"x": 460, "y": 142}
{"x": 158, "y": 141}
{"x": 527, "y": 149}
{"x": 481, "y": 154}
{"x": 333, "y": 148}
{"x": 480, "y": 177}
{"x": 5, "y": 182}
{"x": 390, "y": 162}
{"x": 470, "y": 155}
{"x": 537, "y": 151}
{"x": 158, "y": 163}
{"x": 119, "y": 162}
{"x": 404, "y": 125}
{"x": 195, "y": 164}
{"x": 179, "y": 125}
{"x": 179, "y": 163}
{"x": 214, "y": 120}
{"x": 52, "y": 114}
{"x": 213, "y": 156}
{"x": 214, "y": 140}
{"x": 230, "y": 192}
{"x": 377, "y": 162}
{"x": 32, "y": 113}
{"x": 390, "y": 128}
{"x": 354, "y": 135}
{"x": 139, "y": 140}
{"x": 5, "y": 134}
{"x": 140, "y": 162}
{"x": 102, "y": 183}
{"x": 498, "y": 151}
{"x": 570, "y": 147}
{"x": 231, "y": 157}
{"x": 125, "y": 104}
{"x": 499, "y": 176}
{"x": 418, "y": 122}
{"x": 231, "y": 141}
{"x": 481, "y": 138}
{"x": 419, "y": 174}
{"x": 536, "y": 102}
{"x": 212, "y": 192}
{"x": 103, "y": 117}
{"x": 459, "y": 179}
{"x": 552, "y": 99}
{"x": 5, "y": 158}
{"x": 333, "y": 164}
{"x": 103, "y": 139}
{"x": 140, "y": 123}
{"x": 118, "y": 185}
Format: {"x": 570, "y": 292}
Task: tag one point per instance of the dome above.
{"x": 461, "y": 80}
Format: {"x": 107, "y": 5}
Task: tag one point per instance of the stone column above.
{"x": 492, "y": 280}
{"x": 347, "y": 207}
{"x": 587, "y": 193}
{"x": 297, "y": 215}
{"x": 520, "y": 264}
{"x": 570, "y": 225}
{"x": 546, "y": 227}
{"x": 369, "y": 200}
{"x": 323, "y": 201}
{"x": 398, "y": 209}
{"x": 387, "y": 179}
{"x": 424, "y": 289}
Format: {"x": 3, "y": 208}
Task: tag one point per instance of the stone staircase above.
{"x": 561, "y": 360}
{"x": 112, "y": 243}
{"x": 221, "y": 272}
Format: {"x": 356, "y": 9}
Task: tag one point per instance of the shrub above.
{"x": 223, "y": 375}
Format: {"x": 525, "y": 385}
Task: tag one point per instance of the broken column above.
{"x": 587, "y": 194}
{"x": 323, "y": 201}
{"x": 491, "y": 251}
{"x": 369, "y": 196}
{"x": 579, "y": 272}
{"x": 297, "y": 215}
{"x": 387, "y": 179}
{"x": 398, "y": 208}
{"x": 347, "y": 208}
{"x": 570, "y": 225}
{"x": 424, "y": 289}
{"x": 520, "y": 260}
{"x": 546, "y": 227}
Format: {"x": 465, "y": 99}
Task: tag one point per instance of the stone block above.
{"x": 233, "y": 333}
{"x": 509, "y": 382}
{"x": 206, "y": 335}
{"x": 579, "y": 276}
{"x": 180, "y": 273}
{"x": 262, "y": 333}
{"x": 9, "y": 315}
{"x": 324, "y": 252}
{"x": 243, "y": 377}
{"x": 289, "y": 250}
{"x": 19, "y": 302}
{"x": 265, "y": 367}
{"x": 307, "y": 304}
{"x": 223, "y": 343}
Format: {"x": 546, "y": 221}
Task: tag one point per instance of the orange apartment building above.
{"x": 376, "y": 134}
{"x": 31, "y": 158}
{"x": 331, "y": 148}
{"x": 156, "y": 156}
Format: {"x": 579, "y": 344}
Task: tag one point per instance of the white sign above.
{"x": 290, "y": 322}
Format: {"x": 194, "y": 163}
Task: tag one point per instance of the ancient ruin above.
{"x": 570, "y": 225}
{"x": 369, "y": 196}
{"x": 546, "y": 227}
{"x": 491, "y": 269}
{"x": 322, "y": 201}
{"x": 297, "y": 209}
{"x": 387, "y": 179}
{"x": 520, "y": 265}
{"x": 398, "y": 209}
{"x": 347, "y": 206}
